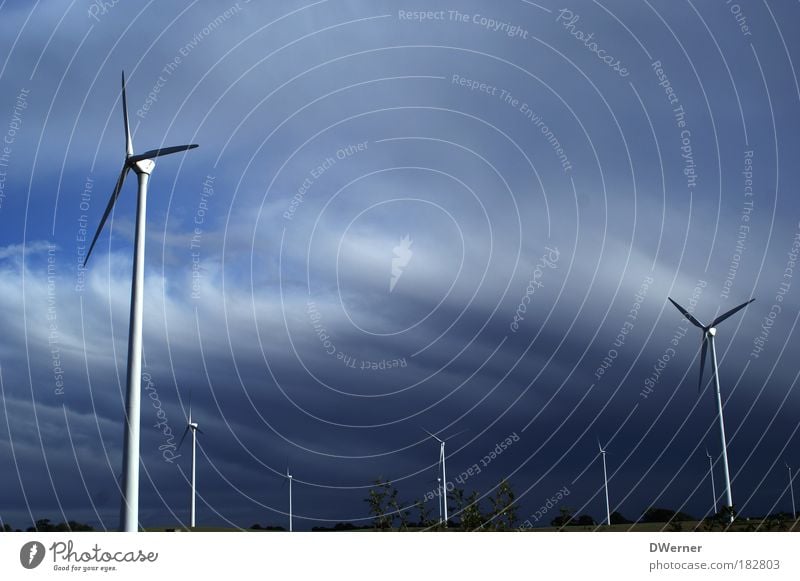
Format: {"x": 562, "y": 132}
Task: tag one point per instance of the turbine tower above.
{"x": 791, "y": 490}
{"x": 289, "y": 479}
{"x": 443, "y": 466}
{"x": 192, "y": 426}
{"x": 709, "y": 332}
{"x": 605, "y": 481}
{"x": 711, "y": 473}
{"x": 142, "y": 165}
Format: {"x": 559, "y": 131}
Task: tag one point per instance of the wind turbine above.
{"x": 711, "y": 473}
{"x": 289, "y": 479}
{"x": 709, "y": 331}
{"x": 605, "y": 481}
{"x": 192, "y": 426}
{"x": 791, "y": 489}
{"x": 443, "y": 466}
{"x": 142, "y": 165}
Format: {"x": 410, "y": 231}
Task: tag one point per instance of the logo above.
{"x": 402, "y": 256}
{"x": 31, "y": 554}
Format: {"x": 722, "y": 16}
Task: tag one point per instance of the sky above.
{"x": 400, "y": 216}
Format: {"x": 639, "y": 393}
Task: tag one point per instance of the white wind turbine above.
{"x": 142, "y": 165}
{"x": 709, "y": 331}
{"x": 288, "y": 477}
{"x": 605, "y": 482}
{"x": 711, "y": 473}
{"x": 193, "y": 427}
{"x": 791, "y": 489}
{"x": 443, "y": 465}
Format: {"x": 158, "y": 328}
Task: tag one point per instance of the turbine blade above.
{"x": 186, "y": 431}
{"x": 161, "y": 151}
{"x": 128, "y": 140}
{"x": 109, "y": 207}
{"x": 190, "y": 406}
{"x": 199, "y": 430}
{"x": 703, "y": 351}
{"x": 733, "y": 311}
{"x": 435, "y": 437}
{"x": 598, "y": 445}
{"x": 687, "y": 314}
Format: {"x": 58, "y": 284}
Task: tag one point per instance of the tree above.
{"x": 380, "y": 500}
{"x": 471, "y": 516}
{"x": 566, "y": 516}
{"x": 618, "y": 519}
{"x": 656, "y": 515}
{"x": 424, "y": 519}
{"x": 504, "y": 511}
{"x": 585, "y": 520}
{"x": 44, "y": 525}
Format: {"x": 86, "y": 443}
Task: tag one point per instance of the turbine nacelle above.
{"x": 709, "y": 331}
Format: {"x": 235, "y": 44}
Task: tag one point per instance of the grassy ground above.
{"x": 754, "y": 525}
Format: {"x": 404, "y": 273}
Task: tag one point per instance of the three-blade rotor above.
{"x": 129, "y": 164}
{"x": 707, "y": 332}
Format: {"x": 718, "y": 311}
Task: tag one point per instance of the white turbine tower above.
{"x": 711, "y": 473}
{"x": 443, "y": 465}
{"x": 791, "y": 490}
{"x": 289, "y": 479}
{"x": 142, "y": 165}
{"x": 193, "y": 427}
{"x": 709, "y": 331}
{"x": 605, "y": 482}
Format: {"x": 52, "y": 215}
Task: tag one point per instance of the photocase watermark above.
{"x": 402, "y": 254}
{"x": 523, "y": 107}
{"x": 317, "y": 172}
{"x": 744, "y": 225}
{"x": 679, "y": 115}
{"x": 568, "y": 19}
{"x": 169, "y": 69}
{"x": 548, "y": 506}
{"x": 98, "y": 8}
{"x": 760, "y": 341}
{"x": 81, "y": 235}
{"x": 53, "y": 336}
{"x": 476, "y": 469}
{"x": 315, "y": 316}
{"x": 547, "y": 260}
{"x": 31, "y": 554}
{"x": 630, "y": 320}
{"x": 196, "y": 238}
{"x": 169, "y": 447}
{"x": 669, "y": 353}
{"x": 65, "y": 553}
{"x": 14, "y": 125}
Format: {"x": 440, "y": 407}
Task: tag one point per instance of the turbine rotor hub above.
{"x": 712, "y": 331}
{"x": 144, "y": 166}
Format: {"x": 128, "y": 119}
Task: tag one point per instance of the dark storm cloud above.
{"x": 270, "y": 251}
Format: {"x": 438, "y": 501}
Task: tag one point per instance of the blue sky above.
{"x": 602, "y": 155}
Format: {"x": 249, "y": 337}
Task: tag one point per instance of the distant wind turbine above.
{"x": 289, "y": 479}
{"x": 709, "y": 331}
{"x": 142, "y": 165}
{"x": 791, "y": 489}
{"x": 192, "y": 427}
{"x": 443, "y": 466}
{"x": 605, "y": 481}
